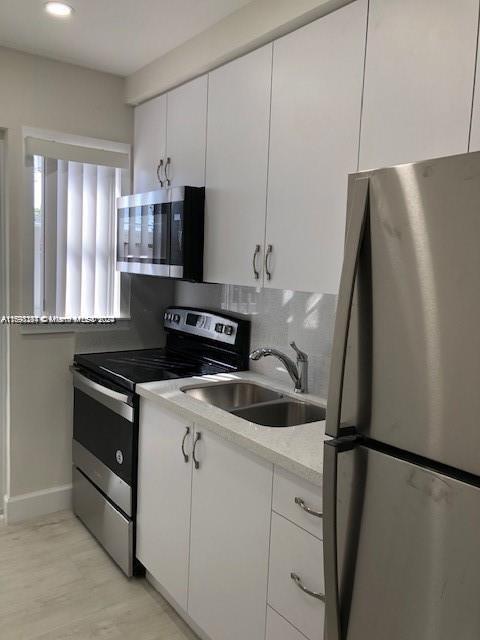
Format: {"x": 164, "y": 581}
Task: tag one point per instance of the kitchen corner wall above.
{"x": 45, "y": 94}
{"x": 278, "y": 317}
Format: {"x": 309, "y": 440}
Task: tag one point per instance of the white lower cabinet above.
{"x": 279, "y": 629}
{"x": 231, "y": 503}
{"x": 208, "y": 535}
{"x": 295, "y": 552}
{"x": 164, "y": 491}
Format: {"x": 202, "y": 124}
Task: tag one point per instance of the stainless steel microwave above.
{"x": 160, "y": 233}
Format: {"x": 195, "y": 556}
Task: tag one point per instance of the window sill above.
{"x": 120, "y": 324}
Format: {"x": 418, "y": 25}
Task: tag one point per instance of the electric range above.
{"x": 106, "y": 416}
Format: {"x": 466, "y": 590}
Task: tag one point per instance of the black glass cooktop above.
{"x": 128, "y": 368}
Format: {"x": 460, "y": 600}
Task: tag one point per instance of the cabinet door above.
{"x": 186, "y": 133}
{"x": 149, "y": 143}
{"x": 315, "y": 126}
{"x": 418, "y": 80}
{"x": 164, "y": 496}
{"x": 231, "y": 503}
{"x": 279, "y": 629}
{"x": 237, "y": 158}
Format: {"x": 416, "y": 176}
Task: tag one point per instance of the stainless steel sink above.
{"x": 257, "y": 404}
{"x": 281, "y": 413}
{"x": 233, "y": 395}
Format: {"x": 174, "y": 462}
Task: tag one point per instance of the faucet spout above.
{"x": 298, "y": 372}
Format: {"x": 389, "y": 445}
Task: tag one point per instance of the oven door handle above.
{"x": 113, "y": 400}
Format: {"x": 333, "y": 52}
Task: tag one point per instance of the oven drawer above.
{"x": 112, "y": 486}
{"x": 107, "y": 524}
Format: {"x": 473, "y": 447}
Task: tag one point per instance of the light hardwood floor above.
{"x": 56, "y": 583}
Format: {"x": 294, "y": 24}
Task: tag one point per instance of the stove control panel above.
{"x": 201, "y": 323}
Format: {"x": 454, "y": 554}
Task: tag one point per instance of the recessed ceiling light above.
{"x": 58, "y": 9}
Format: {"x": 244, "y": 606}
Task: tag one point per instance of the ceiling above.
{"x": 118, "y": 36}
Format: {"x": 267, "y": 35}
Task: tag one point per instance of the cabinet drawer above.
{"x": 279, "y": 629}
{"x": 293, "y": 550}
{"x": 287, "y": 488}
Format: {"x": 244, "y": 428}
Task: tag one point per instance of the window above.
{"x": 75, "y": 229}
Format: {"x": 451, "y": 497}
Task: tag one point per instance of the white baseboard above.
{"x": 38, "y": 503}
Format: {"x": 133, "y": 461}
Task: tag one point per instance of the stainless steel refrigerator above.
{"x": 402, "y": 477}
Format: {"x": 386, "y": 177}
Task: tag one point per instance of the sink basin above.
{"x": 232, "y": 395}
{"x": 281, "y": 413}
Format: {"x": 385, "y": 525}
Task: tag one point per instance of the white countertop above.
{"x": 298, "y": 449}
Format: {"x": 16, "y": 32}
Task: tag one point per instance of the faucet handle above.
{"x": 302, "y": 356}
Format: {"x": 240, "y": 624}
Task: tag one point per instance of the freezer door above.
{"x": 408, "y": 551}
{"x": 413, "y": 350}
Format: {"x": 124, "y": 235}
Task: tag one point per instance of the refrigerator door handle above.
{"x": 332, "y": 449}
{"x": 356, "y": 216}
{"x": 332, "y": 605}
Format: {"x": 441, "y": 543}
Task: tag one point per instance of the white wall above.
{"x": 250, "y": 27}
{"x": 42, "y": 93}
{"x": 3, "y": 328}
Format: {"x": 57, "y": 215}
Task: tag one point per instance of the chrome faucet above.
{"x": 297, "y": 372}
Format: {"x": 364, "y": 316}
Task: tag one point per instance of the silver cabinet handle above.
{"x": 159, "y": 172}
{"x": 296, "y": 578}
{"x": 185, "y": 455}
{"x": 168, "y": 163}
{"x": 312, "y": 512}
{"x": 256, "y": 273}
{"x": 268, "y": 253}
{"x": 197, "y": 438}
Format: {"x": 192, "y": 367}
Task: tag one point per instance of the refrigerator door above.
{"x": 408, "y": 562}
{"x": 412, "y": 358}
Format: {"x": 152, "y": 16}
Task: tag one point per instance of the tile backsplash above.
{"x": 278, "y": 317}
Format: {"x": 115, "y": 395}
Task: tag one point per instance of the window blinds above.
{"x": 76, "y": 210}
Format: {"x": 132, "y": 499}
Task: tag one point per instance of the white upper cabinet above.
{"x": 170, "y": 131}
{"x": 230, "y": 532}
{"x": 186, "y": 133}
{"x": 164, "y": 495}
{"x": 150, "y": 143}
{"x": 418, "y": 80}
{"x": 236, "y": 176}
{"x": 315, "y": 125}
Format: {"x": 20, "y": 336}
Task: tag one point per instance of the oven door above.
{"x": 104, "y": 439}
